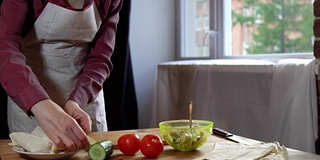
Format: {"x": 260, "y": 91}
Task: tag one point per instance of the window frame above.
{"x": 220, "y": 38}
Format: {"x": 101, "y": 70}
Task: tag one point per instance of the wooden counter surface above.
{"x": 6, "y": 152}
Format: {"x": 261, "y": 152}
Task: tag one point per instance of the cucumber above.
{"x": 101, "y": 150}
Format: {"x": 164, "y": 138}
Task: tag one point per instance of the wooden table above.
{"x": 6, "y": 152}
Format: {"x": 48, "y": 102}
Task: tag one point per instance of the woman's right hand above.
{"x": 73, "y": 109}
{"x": 61, "y": 128}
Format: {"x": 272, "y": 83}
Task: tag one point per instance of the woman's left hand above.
{"x": 83, "y": 119}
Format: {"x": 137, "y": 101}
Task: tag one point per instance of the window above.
{"x": 245, "y": 29}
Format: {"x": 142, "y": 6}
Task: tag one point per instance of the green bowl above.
{"x": 179, "y": 135}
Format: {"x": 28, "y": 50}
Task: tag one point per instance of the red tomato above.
{"x": 151, "y": 146}
{"x": 129, "y": 144}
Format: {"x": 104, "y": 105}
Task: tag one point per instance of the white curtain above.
{"x": 263, "y": 100}
{"x": 293, "y": 104}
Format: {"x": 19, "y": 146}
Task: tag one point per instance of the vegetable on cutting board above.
{"x": 129, "y": 144}
{"x": 101, "y": 150}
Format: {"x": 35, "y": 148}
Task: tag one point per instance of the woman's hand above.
{"x": 60, "y": 127}
{"x": 83, "y": 119}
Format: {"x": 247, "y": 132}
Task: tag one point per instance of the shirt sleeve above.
{"x": 98, "y": 65}
{"x": 18, "y": 80}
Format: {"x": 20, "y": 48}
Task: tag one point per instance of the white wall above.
{"x": 152, "y": 41}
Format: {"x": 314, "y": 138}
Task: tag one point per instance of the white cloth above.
{"x": 263, "y": 100}
{"x": 56, "y": 50}
{"x": 292, "y": 114}
{"x": 237, "y": 151}
{"x": 36, "y": 141}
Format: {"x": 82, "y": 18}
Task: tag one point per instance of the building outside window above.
{"x": 245, "y": 28}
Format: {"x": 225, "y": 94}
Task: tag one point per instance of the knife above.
{"x": 229, "y": 136}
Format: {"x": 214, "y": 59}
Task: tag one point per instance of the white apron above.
{"x": 56, "y": 50}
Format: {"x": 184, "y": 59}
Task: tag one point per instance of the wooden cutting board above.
{"x": 6, "y": 152}
{"x": 168, "y": 154}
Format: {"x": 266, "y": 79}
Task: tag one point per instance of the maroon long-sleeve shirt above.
{"x": 21, "y": 84}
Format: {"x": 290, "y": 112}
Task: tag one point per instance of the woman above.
{"x": 54, "y": 58}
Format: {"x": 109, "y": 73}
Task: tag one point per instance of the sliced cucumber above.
{"x": 101, "y": 150}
